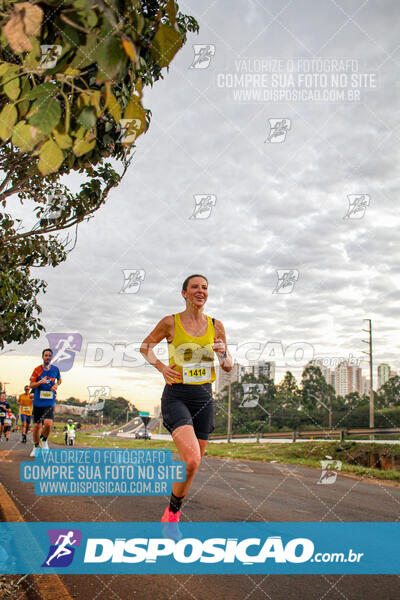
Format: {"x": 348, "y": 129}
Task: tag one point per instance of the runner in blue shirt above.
{"x": 45, "y": 380}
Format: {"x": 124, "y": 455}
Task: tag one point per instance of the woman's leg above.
{"x": 190, "y": 451}
{"x": 203, "y": 446}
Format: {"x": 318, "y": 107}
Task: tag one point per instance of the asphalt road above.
{"x": 223, "y": 490}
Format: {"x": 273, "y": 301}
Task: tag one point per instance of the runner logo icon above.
{"x": 278, "y": 129}
{"x": 64, "y": 347}
{"x": 62, "y": 547}
{"x": 203, "y": 54}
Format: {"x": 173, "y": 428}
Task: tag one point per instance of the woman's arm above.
{"x": 161, "y": 330}
{"x": 220, "y": 347}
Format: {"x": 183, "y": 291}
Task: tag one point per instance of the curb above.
{"x": 49, "y": 587}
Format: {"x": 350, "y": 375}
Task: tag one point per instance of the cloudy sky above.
{"x": 278, "y": 198}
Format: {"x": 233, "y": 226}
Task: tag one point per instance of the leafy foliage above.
{"x": 72, "y": 74}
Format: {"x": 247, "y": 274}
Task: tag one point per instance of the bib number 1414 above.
{"x": 196, "y": 374}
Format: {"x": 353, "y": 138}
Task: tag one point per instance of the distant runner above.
{"x": 8, "y": 424}
{"x": 4, "y": 408}
{"x": 25, "y": 402}
{"x": 187, "y": 403}
{"x": 45, "y": 380}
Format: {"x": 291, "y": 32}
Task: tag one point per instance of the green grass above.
{"x": 300, "y": 453}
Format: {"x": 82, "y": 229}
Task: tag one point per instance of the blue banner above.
{"x": 200, "y": 548}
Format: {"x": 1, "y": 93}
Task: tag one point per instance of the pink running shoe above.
{"x": 170, "y": 517}
{"x": 171, "y": 528}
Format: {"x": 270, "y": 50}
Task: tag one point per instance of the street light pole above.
{"x": 229, "y": 432}
{"x": 371, "y": 390}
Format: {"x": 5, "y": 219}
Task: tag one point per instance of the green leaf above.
{"x": 111, "y": 58}
{"x": 25, "y": 136}
{"x": 83, "y": 145}
{"x": 51, "y": 158}
{"x": 41, "y": 91}
{"x": 4, "y": 68}
{"x": 91, "y": 18}
{"x": 33, "y": 58}
{"x": 134, "y": 120}
{"x": 113, "y": 107}
{"x": 87, "y": 117}
{"x": 63, "y": 139}
{"x": 85, "y": 55}
{"x": 171, "y": 12}
{"x": 12, "y": 88}
{"x": 8, "y": 118}
{"x": 166, "y": 44}
{"x": 47, "y": 116}
{"x": 23, "y": 106}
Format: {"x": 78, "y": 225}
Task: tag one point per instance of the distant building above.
{"x": 385, "y": 372}
{"x": 68, "y": 408}
{"x": 157, "y": 410}
{"x": 257, "y": 368}
{"x": 348, "y": 379}
{"x": 223, "y": 378}
{"x": 365, "y": 385}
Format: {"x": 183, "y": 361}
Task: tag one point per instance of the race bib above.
{"x": 196, "y": 373}
{"x": 7, "y": 421}
{"x": 26, "y": 408}
{"x": 46, "y": 395}
{"x": 2, "y": 414}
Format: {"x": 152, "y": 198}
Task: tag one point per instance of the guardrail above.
{"x": 340, "y": 434}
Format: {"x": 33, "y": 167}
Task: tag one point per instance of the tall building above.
{"x": 365, "y": 385}
{"x": 257, "y": 368}
{"x": 385, "y": 372}
{"x": 254, "y": 367}
{"x": 348, "y": 379}
{"x": 223, "y": 378}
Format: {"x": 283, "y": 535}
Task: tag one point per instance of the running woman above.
{"x": 25, "y": 402}
{"x": 187, "y": 404}
{"x": 45, "y": 380}
{"x": 4, "y": 408}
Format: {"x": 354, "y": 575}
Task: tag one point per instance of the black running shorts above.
{"x": 40, "y": 413}
{"x": 186, "y": 404}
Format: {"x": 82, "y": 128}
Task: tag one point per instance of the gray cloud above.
{"x": 278, "y": 205}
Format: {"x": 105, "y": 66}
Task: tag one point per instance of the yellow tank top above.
{"x": 192, "y": 355}
{"x": 25, "y": 404}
